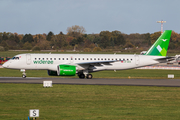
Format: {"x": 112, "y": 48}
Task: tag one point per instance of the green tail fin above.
{"x": 159, "y": 48}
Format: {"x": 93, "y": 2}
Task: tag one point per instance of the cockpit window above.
{"x": 15, "y": 58}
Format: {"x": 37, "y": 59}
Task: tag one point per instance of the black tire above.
{"x": 89, "y": 76}
{"x": 23, "y": 76}
{"x": 81, "y": 76}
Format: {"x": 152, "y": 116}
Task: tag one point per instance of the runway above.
{"x": 95, "y": 81}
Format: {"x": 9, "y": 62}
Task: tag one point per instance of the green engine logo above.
{"x": 66, "y": 70}
{"x": 43, "y": 62}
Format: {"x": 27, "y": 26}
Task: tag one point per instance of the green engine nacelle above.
{"x": 66, "y": 70}
{"x": 63, "y": 70}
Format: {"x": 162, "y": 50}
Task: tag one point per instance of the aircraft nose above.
{"x": 5, "y": 65}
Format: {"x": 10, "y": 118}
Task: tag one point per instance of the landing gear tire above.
{"x": 23, "y": 76}
{"x": 81, "y": 76}
{"x": 89, "y": 76}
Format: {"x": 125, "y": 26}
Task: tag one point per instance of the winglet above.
{"x": 159, "y": 48}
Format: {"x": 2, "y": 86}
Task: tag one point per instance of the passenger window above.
{"x": 105, "y": 59}
{"x": 98, "y": 59}
{"x": 66, "y": 58}
{"x": 35, "y": 58}
{"x": 63, "y": 59}
{"x": 127, "y": 59}
{"x": 79, "y": 58}
{"x": 59, "y": 58}
{"x": 94, "y": 58}
{"x": 54, "y": 58}
{"x": 112, "y": 59}
{"x": 131, "y": 59}
{"x": 75, "y": 58}
{"x": 39, "y": 58}
{"x": 83, "y": 58}
{"x": 90, "y": 58}
{"x": 87, "y": 58}
{"x": 108, "y": 58}
{"x": 46, "y": 58}
{"x": 50, "y": 58}
{"x": 101, "y": 58}
{"x": 42, "y": 58}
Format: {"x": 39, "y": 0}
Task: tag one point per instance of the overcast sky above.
{"x": 127, "y": 16}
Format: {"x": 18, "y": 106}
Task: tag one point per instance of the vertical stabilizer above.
{"x": 159, "y": 48}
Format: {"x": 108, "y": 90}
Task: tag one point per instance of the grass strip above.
{"x": 79, "y": 102}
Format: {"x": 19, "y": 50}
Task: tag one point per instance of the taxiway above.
{"x": 95, "y": 81}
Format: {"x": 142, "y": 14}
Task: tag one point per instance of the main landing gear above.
{"x": 82, "y": 76}
{"x": 89, "y": 76}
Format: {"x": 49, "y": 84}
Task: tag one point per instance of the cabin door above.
{"x": 137, "y": 59}
{"x": 28, "y": 59}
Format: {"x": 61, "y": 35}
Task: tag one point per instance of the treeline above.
{"x": 76, "y": 39}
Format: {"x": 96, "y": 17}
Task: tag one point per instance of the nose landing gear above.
{"x": 23, "y": 74}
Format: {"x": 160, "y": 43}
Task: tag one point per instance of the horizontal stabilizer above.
{"x": 165, "y": 59}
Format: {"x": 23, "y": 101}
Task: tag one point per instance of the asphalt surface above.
{"x": 95, "y": 81}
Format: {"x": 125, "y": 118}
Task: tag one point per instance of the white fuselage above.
{"x": 81, "y": 61}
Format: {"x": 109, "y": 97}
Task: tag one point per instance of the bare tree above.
{"x": 76, "y": 30}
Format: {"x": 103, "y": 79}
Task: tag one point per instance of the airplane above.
{"x": 84, "y": 64}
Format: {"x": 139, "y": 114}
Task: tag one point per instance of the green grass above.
{"x": 133, "y": 73}
{"x": 80, "y": 102}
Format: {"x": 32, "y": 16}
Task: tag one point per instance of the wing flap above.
{"x": 90, "y": 65}
{"x": 97, "y": 63}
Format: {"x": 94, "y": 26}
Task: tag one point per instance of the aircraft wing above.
{"x": 97, "y": 62}
{"x": 89, "y": 65}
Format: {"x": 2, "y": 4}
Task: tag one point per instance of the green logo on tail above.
{"x": 159, "y": 48}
